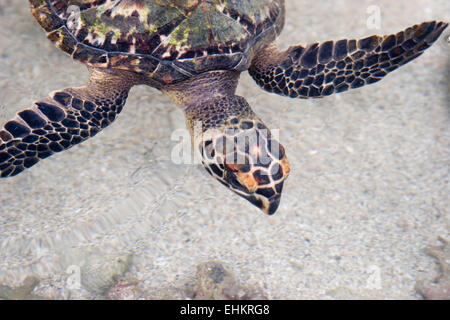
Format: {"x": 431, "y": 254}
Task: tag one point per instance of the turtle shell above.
{"x": 169, "y": 40}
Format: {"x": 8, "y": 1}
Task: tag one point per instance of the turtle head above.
{"x": 237, "y": 148}
{"x": 245, "y": 157}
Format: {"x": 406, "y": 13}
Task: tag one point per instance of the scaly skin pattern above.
{"x": 67, "y": 117}
{"x": 238, "y": 150}
{"x": 331, "y": 67}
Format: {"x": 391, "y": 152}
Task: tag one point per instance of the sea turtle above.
{"x": 194, "y": 51}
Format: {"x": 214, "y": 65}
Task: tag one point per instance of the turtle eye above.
{"x": 230, "y": 176}
{"x": 231, "y": 179}
{"x": 234, "y": 183}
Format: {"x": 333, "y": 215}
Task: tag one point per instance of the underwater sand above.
{"x": 368, "y": 189}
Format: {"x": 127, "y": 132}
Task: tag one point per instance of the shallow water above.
{"x": 368, "y": 187}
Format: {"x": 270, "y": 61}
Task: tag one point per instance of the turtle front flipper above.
{"x": 238, "y": 149}
{"x": 64, "y": 119}
{"x": 319, "y": 70}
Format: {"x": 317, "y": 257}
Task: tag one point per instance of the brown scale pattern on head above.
{"x": 239, "y": 150}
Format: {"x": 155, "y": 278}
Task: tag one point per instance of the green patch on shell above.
{"x": 205, "y": 27}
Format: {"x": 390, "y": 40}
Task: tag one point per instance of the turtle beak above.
{"x": 267, "y": 205}
{"x": 271, "y": 205}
